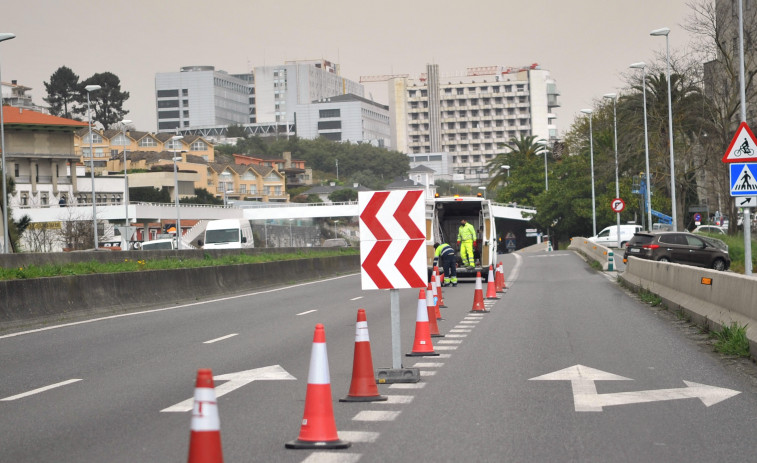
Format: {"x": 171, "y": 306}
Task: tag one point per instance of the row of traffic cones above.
{"x": 318, "y": 426}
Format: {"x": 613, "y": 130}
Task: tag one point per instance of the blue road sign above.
{"x": 743, "y": 179}
{"x": 510, "y": 244}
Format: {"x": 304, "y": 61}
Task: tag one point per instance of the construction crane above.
{"x": 381, "y": 78}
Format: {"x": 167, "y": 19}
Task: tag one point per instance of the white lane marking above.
{"x": 470, "y": 322}
{"x": 407, "y": 386}
{"x": 459, "y": 330}
{"x": 221, "y": 338}
{"x": 443, "y": 356}
{"x": 330, "y": 457}
{"x": 445, "y": 347}
{"x": 358, "y": 436}
{"x": 174, "y": 307}
{"x": 450, "y": 341}
{"x": 374, "y": 415}
{"x": 513, "y": 275}
{"x": 457, "y": 335}
{"x": 458, "y": 327}
{"x": 41, "y": 389}
{"x": 356, "y": 298}
{"x": 428, "y": 372}
{"x": 397, "y": 399}
{"x": 307, "y": 312}
{"x": 428, "y": 365}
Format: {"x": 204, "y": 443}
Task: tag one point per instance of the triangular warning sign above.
{"x": 745, "y": 181}
{"x": 743, "y": 147}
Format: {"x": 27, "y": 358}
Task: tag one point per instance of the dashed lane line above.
{"x": 332, "y": 457}
{"x": 407, "y": 386}
{"x": 397, "y": 399}
{"x": 41, "y": 389}
{"x": 358, "y": 436}
{"x": 376, "y": 415}
{"x": 221, "y": 338}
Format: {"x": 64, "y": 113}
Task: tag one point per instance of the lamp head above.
{"x": 126, "y": 122}
{"x": 177, "y": 137}
{"x": 505, "y": 167}
{"x": 587, "y": 111}
{"x": 92, "y": 88}
{"x": 639, "y": 65}
{"x": 662, "y": 31}
{"x": 6, "y": 36}
{"x": 611, "y": 96}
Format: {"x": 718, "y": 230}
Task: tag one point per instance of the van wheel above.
{"x": 623, "y": 244}
{"x": 719, "y": 265}
{"x": 663, "y": 259}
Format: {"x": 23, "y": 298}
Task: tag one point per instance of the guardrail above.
{"x": 710, "y": 297}
{"x": 593, "y": 251}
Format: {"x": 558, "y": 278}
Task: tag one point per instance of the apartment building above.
{"x": 470, "y": 115}
{"x": 247, "y": 182}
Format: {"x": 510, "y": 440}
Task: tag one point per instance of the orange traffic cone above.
{"x": 478, "y": 297}
{"x": 491, "y": 288}
{"x": 502, "y": 277}
{"x": 422, "y": 344}
{"x": 434, "y": 290}
{"x": 439, "y": 297}
{"x": 363, "y": 387}
{"x": 205, "y": 437}
{"x": 318, "y": 428}
{"x": 433, "y": 327}
{"x": 499, "y": 279}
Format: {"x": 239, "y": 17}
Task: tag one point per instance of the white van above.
{"x": 159, "y": 244}
{"x": 228, "y": 234}
{"x": 609, "y": 235}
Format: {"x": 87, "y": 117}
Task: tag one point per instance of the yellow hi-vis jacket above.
{"x": 466, "y": 233}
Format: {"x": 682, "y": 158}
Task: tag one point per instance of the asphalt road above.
{"x": 478, "y": 401}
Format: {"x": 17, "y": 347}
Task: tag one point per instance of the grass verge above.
{"x": 732, "y": 340}
{"x": 132, "y": 265}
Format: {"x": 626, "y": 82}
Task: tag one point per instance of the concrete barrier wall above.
{"x": 730, "y": 297}
{"x": 591, "y": 250}
{"x": 26, "y": 301}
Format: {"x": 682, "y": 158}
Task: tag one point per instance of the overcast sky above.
{"x": 585, "y": 44}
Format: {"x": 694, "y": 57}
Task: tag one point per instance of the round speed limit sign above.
{"x": 617, "y": 205}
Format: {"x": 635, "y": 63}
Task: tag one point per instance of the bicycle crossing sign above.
{"x": 743, "y": 147}
{"x": 743, "y": 179}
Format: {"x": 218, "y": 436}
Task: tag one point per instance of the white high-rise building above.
{"x": 345, "y": 118}
{"x": 469, "y": 116}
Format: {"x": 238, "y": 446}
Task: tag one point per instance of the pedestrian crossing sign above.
{"x": 743, "y": 147}
{"x": 743, "y": 179}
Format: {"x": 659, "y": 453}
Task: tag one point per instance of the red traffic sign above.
{"x": 743, "y": 147}
{"x": 392, "y": 251}
{"x": 617, "y": 205}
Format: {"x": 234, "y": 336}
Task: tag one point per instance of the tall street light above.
{"x": 226, "y": 176}
{"x": 643, "y": 66}
{"x": 591, "y": 153}
{"x": 175, "y": 142}
{"x": 666, "y": 32}
{"x": 124, "y": 123}
{"x": 614, "y": 98}
{"x": 545, "y": 150}
{"x": 6, "y": 240}
{"x": 483, "y": 188}
{"x": 90, "y": 89}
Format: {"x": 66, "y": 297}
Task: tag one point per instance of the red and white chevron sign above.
{"x": 392, "y": 239}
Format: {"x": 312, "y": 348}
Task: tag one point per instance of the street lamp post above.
{"x": 226, "y": 177}
{"x": 291, "y": 240}
{"x": 90, "y": 89}
{"x": 335, "y": 222}
{"x": 125, "y": 122}
{"x": 175, "y": 141}
{"x": 666, "y": 32}
{"x": 6, "y": 240}
{"x": 545, "y": 149}
{"x": 591, "y": 153}
{"x": 483, "y": 188}
{"x": 641, "y": 65}
{"x": 614, "y": 98}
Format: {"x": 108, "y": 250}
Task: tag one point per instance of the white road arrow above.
{"x": 586, "y": 399}
{"x": 235, "y": 381}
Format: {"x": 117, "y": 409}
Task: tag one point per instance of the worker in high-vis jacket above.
{"x": 466, "y": 236}
{"x": 444, "y": 256}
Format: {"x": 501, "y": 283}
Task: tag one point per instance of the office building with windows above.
{"x": 471, "y": 115}
{"x": 345, "y": 118}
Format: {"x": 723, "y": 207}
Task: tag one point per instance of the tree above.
{"x": 525, "y": 179}
{"x": 148, "y": 194}
{"x": 346, "y": 194}
{"x": 202, "y": 196}
{"x": 107, "y": 103}
{"x": 62, "y": 92}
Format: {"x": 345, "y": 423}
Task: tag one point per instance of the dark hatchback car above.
{"x": 679, "y": 247}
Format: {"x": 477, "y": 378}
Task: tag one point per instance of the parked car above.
{"x": 711, "y": 229}
{"x": 679, "y": 247}
{"x": 609, "y": 235}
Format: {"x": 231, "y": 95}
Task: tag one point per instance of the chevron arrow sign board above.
{"x": 392, "y": 239}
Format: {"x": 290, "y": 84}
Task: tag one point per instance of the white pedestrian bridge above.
{"x": 154, "y": 212}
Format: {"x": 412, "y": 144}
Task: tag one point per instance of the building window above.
{"x": 147, "y": 142}
{"x": 96, "y": 138}
{"x": 199, "y": 145}
{"x": 328, "y": 125}
{"x": 24, "y": 198}
{"x": 168, "y": 104}
{"x": 168, "y": 93}
{"x": 326, "y": 113}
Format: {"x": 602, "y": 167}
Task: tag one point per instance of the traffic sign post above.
{"x": 617, "y": 205}
{"x": 743, "y": 148}
{"x": 393, "y": 253}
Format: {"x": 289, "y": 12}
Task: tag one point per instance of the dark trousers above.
{"x": 450, "y": 271}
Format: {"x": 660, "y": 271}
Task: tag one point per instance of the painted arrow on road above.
{"x": 586, "y": 398}
{"x": 235, "y": 381}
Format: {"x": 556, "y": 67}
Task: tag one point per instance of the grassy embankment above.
{"x": 133, "y": 265}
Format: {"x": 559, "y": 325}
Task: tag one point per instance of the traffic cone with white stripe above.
{"x": 491, "y": 288}
{"x": 318, "y": 428}
{"x": 422, "y": 344}
{"x": 363, "y": 386}
{"x": 439, "y": 297}
{"x": 434, "y": 288}
{"x": 478, "y": 296}
{"x": 502, "y": 277}
{"x": 433, "y": 327}
{"x": 205, "y": 436}
{"x": 499, "y": 279}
